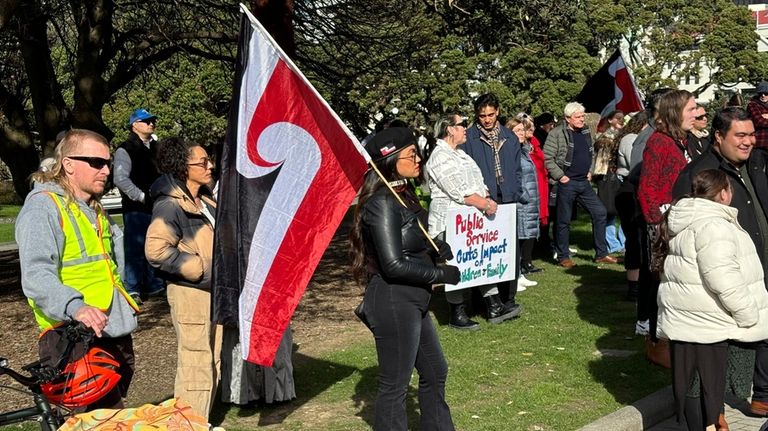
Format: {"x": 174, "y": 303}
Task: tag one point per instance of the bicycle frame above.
{"x": 47, "y": 417}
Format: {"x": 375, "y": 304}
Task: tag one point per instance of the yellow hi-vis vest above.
{"x": 86, "y": 262}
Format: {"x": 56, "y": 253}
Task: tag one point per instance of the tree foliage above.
{"x": 88, "y": 63}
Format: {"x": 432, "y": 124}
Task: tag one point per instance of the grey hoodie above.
{"x": 41, "y": 241}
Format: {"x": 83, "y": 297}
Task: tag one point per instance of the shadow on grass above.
{"x": 618, "y": 364}
{"x": 312, "y": 376}
{"x": 365, "y": 399}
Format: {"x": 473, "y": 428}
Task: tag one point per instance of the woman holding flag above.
{"x": 391, "y": 251}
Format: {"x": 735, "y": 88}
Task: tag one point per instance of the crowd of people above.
{"x": 691, "y": 206}
{"x": 692, "y": 230}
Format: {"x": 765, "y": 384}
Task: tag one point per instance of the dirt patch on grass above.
{"x": 323, "y": 323}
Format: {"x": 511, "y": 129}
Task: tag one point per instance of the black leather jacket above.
{"x": 397, "y": 249}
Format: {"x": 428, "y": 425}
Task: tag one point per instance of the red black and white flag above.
{"x": 611, "y": 88}
{"x": 289, "y": 172}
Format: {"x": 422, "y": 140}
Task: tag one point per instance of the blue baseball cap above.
{"x": 140, "y": 114}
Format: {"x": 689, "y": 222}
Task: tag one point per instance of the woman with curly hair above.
{"x": 180, "y": 246}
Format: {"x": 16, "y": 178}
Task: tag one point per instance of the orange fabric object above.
{"x": 172, "y": 414}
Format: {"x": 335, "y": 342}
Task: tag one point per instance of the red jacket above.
{"x": 756, "y": 110}
{"x": 663, "y": 159}
{"x": 537, "y": 156}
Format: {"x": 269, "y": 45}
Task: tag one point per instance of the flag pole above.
{"x": 399, "y": 199}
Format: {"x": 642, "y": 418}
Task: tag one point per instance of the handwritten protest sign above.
{"x": 483, "y": 247}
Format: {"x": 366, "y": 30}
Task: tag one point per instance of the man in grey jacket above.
{"x": 70, "y": 254}
{"x": 568, "y": 159}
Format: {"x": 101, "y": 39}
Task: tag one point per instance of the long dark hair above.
{"x": 707, "y": 184}
{"x": 371, "y": 185}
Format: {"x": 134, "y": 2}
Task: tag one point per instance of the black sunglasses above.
{"x": 94, "y": 162}
{"x": 763, "y": 94}
{"x": 149, "y": 121}
{"x": 463, "y": 123}
{"x": 702, "y": 117}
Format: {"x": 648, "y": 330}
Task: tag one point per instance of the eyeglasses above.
{"x": 202, "y": 163}
{"x": 462, "y": 123}
{"x": 412, "y": 157}
{"x": 701, "y": 117}
{"x": 151, "y": 121}
{"x": 94, "y": 162}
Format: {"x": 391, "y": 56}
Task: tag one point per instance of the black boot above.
{"x": 528, "y": 268}
{"x": 498, "y": 312}
{"x": 460, "y": 320}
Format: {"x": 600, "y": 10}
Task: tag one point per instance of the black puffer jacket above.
{"x": 397, "y": 249}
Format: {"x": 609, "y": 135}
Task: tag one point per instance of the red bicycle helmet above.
{"x": 84, "y": 381}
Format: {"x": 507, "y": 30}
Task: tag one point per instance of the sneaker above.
{"x": 642, "y": 327}
{"x": 573, "y": 249}
{"x": 522, "y": 281}
{"x": 521, "y": 287}
{"x": 136, "y": 298}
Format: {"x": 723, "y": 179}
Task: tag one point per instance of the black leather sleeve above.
{"x": 384, "y": 222}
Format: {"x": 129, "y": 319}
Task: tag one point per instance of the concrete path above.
{"x": 656, "y": 413}
{"x": 734, "y": 415}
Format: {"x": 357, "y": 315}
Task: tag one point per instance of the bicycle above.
{"x": 49, "y": 416}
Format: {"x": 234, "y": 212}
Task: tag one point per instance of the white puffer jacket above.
{"x": 712, "y": 288}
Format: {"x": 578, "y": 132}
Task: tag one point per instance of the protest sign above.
{"x": 483, "y": 247}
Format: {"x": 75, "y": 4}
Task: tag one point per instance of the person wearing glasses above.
{"x": 135, "y": 171}
{"x": 393, "y": 256}
{"x": 71, "y": 257}
{"x": 698, "y": 139}
{"x": 180, "y": 246}
{"x": 758, "y": 110}
{"x": 455, "y": 180}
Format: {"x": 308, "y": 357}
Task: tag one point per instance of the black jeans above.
{"x": 579, "y": 191}
{"x": 405, "y": 337}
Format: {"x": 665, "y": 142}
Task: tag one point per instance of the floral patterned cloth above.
{"x": 172, "y": 415}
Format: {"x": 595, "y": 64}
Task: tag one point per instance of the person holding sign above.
{"x": 497, "y": 152}
{"x": 454, "y": 180}
{"x": 391, "y": 251}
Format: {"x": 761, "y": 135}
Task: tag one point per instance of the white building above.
{"x": 759, "y": 11}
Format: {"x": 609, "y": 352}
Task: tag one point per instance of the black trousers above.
{"x": 710, "y": 360}
{"x": 760, "y": 376}
{"x": 406, "y": 338}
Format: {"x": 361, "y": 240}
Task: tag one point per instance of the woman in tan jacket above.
{"x": 179, "y": 245}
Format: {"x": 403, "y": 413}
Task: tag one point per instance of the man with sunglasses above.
{"x": 135, "y": 171}
{"x": 70, "y": 254}
{"x": 758, "y": 110}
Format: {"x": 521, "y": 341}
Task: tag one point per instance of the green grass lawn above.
{"x": 11, "y": 211}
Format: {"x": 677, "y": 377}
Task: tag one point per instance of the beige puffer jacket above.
{"x": 180, "y": 238}
{"x": 712, "y": 288}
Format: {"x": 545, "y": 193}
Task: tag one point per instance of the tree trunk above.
{"x": 17, "y": 149}
{"x": 277, "y": 17}
{"x": 51, "y": 112}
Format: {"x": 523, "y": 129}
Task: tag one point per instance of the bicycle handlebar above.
{"x": 40, "y": 373}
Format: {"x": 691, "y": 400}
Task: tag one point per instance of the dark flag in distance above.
{"x": 611, "y": 88}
